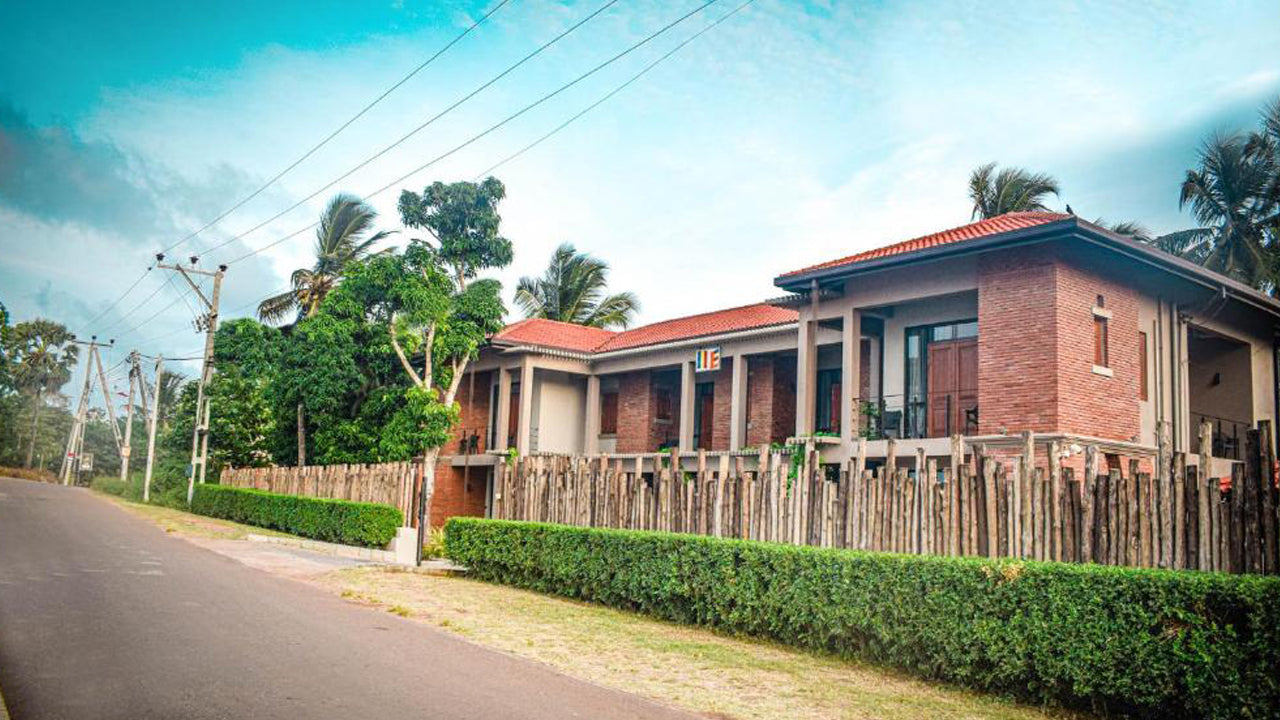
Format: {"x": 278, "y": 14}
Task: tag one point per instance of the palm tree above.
{"x": 1010, "y": 190}
{"x": 342, "y": 238}
{"x": 1227, "y": 196}
{"x": 44, "y": 355}
{"x": 573, "y": 289}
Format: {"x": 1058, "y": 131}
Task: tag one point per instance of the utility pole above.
{"x": 209, "y": 323}
{"x": 151, "y": 432}
{"x": 126, "y": 449}
{"x": 75, "y": 442}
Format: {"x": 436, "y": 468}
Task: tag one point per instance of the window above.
{"x": 662, "y": 404}
{"x": 609, "y": 413}
{"x": 1100, "y": 357}
{"x": 1142, "y": 366}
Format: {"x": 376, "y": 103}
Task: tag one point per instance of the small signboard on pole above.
{"x": 707, "y": 359}
{"x": 86, "y": 462}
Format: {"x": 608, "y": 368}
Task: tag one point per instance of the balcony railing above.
{"x": 1228, "y": 435}
{"x": 918, "y": 415}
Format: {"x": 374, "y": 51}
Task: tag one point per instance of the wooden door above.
{"x": 953, "y": 387}
{"x": 706, "y": 418}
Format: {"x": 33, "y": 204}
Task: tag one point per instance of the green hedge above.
{"x": 1141, "y": 642}
{"x": 339, "y": 521}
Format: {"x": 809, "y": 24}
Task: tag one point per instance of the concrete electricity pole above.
{"x": 209, "y": 322}
{"x": 75, "y": 442}
{"x": 126, "y": 449}
{"x": 151, "y": 432}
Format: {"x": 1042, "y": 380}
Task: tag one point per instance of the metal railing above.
{"x": 1228, "y": 435}
{"x": 906, "y": 416}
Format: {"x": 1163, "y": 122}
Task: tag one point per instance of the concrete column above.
{"x": 686, "y": 406}
{"x": 738, "y": 403}
{"x": 504, "y": 409}
{"x": 850, "y": 375}
{"x": 593, "y": 415}
{"x": 806, "y": 375}
{"x": 524, "y": 434}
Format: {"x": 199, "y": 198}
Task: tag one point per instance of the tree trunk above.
{"x": 302, "y": 437}
{"x": 35, "y": 429}
{"x": 428, "y": 488}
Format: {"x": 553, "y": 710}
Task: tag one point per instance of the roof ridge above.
{"x": 883, "y": 250}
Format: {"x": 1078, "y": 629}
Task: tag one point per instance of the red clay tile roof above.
{"x": 983, "y": 228}
{"x": 553, "y": 333}
{"x": 716, "y": 322}
{"x": 577, "y": 338}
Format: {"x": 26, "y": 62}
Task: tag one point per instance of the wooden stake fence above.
{"x": 991, "y": 506}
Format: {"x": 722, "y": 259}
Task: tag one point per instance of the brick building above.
{"x": 1035, "y": 322}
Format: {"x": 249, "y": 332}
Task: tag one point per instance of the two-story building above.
{"x": 1029, "y": 321}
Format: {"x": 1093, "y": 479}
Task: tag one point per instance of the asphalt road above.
{"x": 103, "y": 615}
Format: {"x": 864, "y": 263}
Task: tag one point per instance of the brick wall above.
{"x": 1017, "y": 373}
{"x": 633, "y": 412}
{"x": 1089, "y": 403}
{"x": 784, "y": 398}
{"x": 723, "y": 402}
{"x": 456, "y": 492}
{"x": 459, "y": 491}
{"x": 1035, "y": 347}
{"x": 759, "y": 400}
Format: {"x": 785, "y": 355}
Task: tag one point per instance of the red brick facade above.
{"x": 460, "y": 491}
{"x": 771, "y": 399}
{"x": 1036, "y": 347}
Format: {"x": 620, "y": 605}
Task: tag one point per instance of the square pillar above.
{"x": 738, "y": 403}
{"x": 851, "y": 376}
{"x": 504, "y": 410}
{"x": 806, "y": 376}
{"x": 592, "y": 444}
{"x": 686, "y": 406}
{"x": 525, "y": 432}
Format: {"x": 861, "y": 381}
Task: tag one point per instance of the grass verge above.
{"x": 185, "y": 523}
{"x": 687, "y": 667}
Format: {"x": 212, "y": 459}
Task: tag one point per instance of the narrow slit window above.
{"x": 1100, "y": 354}
{"x": 609, "y": 413}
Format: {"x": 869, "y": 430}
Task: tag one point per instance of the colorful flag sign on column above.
{"x": 707, "y": 359}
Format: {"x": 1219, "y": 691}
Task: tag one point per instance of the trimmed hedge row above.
{"x": 1119, "y": 640}
{"x": 339, "y": 521}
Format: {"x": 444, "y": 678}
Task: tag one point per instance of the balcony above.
{"x": 918, "y": 416}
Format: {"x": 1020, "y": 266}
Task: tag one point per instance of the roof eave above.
{"x": 797, "y": 281}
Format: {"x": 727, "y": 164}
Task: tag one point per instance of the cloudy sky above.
{"x": 789, "y": 134}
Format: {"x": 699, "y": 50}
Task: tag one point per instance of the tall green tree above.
{"x": 345, "y": 235}
{"x": 431, "y": 307}
{"x": 1227, "y": 195}
{"x": 575, "y": 289}
{"x": 1009, "y": 190}
{"x": 42, "y": 355}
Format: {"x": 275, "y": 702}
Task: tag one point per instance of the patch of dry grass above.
{"x": 684, "y": 666}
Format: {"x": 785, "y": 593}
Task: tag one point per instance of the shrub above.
{"x": 130, "y": 489}
{"x": 28, "y": 474}
{"x": 1143, "y": 642}
{"x": 340, "y": 521}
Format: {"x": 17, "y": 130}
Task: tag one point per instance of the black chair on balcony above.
{"x": 892, "y": 424}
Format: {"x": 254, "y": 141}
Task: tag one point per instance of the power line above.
{"x": 342, "y": 127}
{"x": 117, "y": 301}
{"x": 135, "y": 308}
{"x": 275, "y": 178}
{"x": 613, "y": 92}
{"x": 494, "y": 127}
{"x": 414, "y": 131}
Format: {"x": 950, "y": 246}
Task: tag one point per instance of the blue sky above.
{"x": 790, "y": 134}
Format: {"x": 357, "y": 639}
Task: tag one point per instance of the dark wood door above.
{"x": 706, "y": 418}
{"x": 953, "y": 387}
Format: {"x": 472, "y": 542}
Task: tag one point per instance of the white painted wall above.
{"x": 559, "y": 412}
